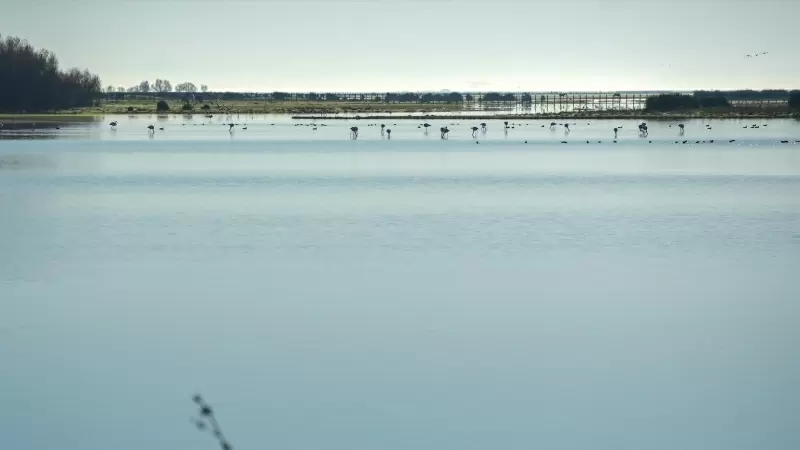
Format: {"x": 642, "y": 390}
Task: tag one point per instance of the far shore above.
{"x": 626, "y": 115}
{"x": 57, "y": 118}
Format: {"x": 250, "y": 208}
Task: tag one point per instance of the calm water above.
{"x": 412, "y": 294}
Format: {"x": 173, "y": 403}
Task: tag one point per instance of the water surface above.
{"x": 416, "y": 293}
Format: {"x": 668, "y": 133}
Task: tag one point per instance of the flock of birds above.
{"x": 444, "y": 132}
{"x": 643, "y": 131}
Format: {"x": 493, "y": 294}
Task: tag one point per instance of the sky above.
{"x": 396, "y": 45}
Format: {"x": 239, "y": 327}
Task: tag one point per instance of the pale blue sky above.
{"x": 380, "y": 45}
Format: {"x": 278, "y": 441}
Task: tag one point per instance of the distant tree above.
{"x": 186, "y": 87}
{"x": 162, "y": 106}
{"x": 133, "y": 89}
{"x": 527, "y": 98}
{"x": 469, "y": 97}
{"x": 497, "y": 97}
{"x": 206, "y": 108}
{"x": 120, "y": 89}
{"x": 109, "y": 89}
{"x": 453, "y": 97}
{"x": 280, "y": 96}
{"x": 794, "y": 100}
{"x": 144, "y": 86}
{"x": 312, "y": 96}
{"x": 187, "y": 107}
{"x": 130, "y": 109}
{"x": 203, "y": 88}
{"x": 162, "y": 86}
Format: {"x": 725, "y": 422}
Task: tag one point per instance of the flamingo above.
{"x": 483, "y": 126}
{"x": 566, "y": 128}
{"x": 426, "y": 125}
{"x": 444, "y": 131}
{"x": 151, "y": 129}
{"x": 643, "y": 129}
{"x": 388, "y": 133}
{"x": 552, "y": 125}
{"x": 616, "y": 130}
{"x": 382, "y": 127}
{"x": 474, "y": 131}
{"x": 230, "y": 127}
{"x": 680, "y": 125}
{"x": 354, "y": 132}
{"x": 506, "y": 124}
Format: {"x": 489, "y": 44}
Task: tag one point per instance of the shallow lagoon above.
{"x": 414, "y": 293}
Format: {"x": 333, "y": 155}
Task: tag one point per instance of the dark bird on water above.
{"x": 151, "y": 129}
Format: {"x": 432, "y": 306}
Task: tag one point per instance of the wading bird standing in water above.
{"x": 382, "y": 127}
{"x": 388, "y": 133}
{"x": 566, "y": 128}
{"x": 230, "y": 128}
{"x": 113, "y": 125}
{"x": 474, "y": 131}
{"x": 552, "y": 125}
{"x": 426, "y": 125}
{"x": 354, "y": 132}
{"x": 616, "y": 130}
{"x": 483, "y": 126}
{"x": 680, "y": 125}
{"x": 151, "y": 129}
{"x": 643, "y": 129}
{"x": 444, "y": 131}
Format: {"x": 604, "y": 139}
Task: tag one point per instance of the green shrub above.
{"x": 162, "y": 106}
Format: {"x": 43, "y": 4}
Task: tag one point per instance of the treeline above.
{"x": 678, "y": 102}
{"x": 30, "y": 80}
{"x": 794, "y": 100}
{"x": 389, "y": 97}
{"x": 158, "y": 86}
{"x": 747, "y": 94}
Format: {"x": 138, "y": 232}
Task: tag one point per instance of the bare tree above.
{"x": 120, "y": 89}
{"x": 162, "y": 86}
{"x": 204, "y": 87}
{"x": 109, "y": 89}
{"x": 144, "y": 86}
{"x": 186, "y": 87}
